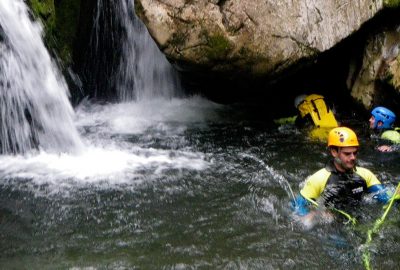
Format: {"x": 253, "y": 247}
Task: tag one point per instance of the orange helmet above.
{"x": 342, "y": 137}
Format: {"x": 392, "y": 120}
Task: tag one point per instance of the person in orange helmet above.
{"x": 341, "y": 185}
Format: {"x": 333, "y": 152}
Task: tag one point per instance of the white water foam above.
{"x": 42, "y": 91}
{"x": 136, "y": 117}
{"x": 96, "y": 166}
{"x": 108, "y": 161}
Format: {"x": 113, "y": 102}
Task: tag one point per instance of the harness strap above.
{"x": 375, "y": 228}
{"x": 350, "y": 219}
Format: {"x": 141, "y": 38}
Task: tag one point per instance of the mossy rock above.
{"x": 60, "y": 19}
{"x": 178, "y": 39}
{"x": 67, "y": 20}
{"x": 391, "y": 3}
{"x": 45, "y": 11}
{"x": 393, "y": 74}
{"x": 218, "y": 47}
{"x": 139, "y": 10}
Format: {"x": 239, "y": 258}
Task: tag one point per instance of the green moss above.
{"x": 245, "y": 53}
{"x": 60, "y": 19}
{"x": 66, "y": 27}
{"x": 178, "y": 39}
{"x": 391, "y": 3}
{"x": 45, "y": 11}
{"x": 218, "y": 47}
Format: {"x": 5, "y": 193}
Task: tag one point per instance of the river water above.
{"x": 181, "y": 184}
{"x": 162, "y": 182}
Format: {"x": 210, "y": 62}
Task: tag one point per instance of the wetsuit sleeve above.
{"x": 392, "y": 136}
{"x": 395, "y": 147}
{"x": 300, "y": 206}
{"x": 368, "y": 176}
{"x": 381, "y": 193}
{"x": 374, "y": 185}
{"x": 311, "y": 191}
{"x": 315, "y": 185}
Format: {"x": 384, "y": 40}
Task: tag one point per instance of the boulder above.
{"x": 251, "y": 36}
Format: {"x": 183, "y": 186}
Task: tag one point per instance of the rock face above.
{"x": 254, "y": 37}
{"x": 264, "y": 39}
{"x": 379, "y": 70}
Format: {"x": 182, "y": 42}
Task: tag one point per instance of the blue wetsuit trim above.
{"x": 300, "y": 205}
{"x": 381, "y": 193}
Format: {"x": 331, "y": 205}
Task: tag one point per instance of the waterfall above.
{"x": 144, "y": 72}
{"x": 141, "y": 71}
{"x": 34, "y": 108}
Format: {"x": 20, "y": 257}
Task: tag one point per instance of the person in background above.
{"x": 381, "y": 121}
{"x": 341, "y": 184}
{"x": 314, "y": 111}
{"x": 314, "y": 115}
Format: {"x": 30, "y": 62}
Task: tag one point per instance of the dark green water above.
{"x": 181, "y": 184}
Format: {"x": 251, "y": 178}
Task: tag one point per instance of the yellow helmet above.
{"x": 342, "y": 137}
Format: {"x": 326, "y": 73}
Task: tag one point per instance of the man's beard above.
{"x": 343, "y": 165}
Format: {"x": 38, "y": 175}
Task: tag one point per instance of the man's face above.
{"x": 372, "y": 122}
{"x": 346, "y": 157}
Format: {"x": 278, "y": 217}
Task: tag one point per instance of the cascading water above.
{"x": 123, "y": 57}
{"x": 34, "y": 108}
{"x": 144, "y": 72}
{"x": 164, "y": 183}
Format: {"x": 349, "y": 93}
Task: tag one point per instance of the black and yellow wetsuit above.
{"x": 392, "y": 135}
{"x": 339, "y": 190}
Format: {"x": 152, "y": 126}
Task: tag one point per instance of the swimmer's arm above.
{"x": 381, "y": 194}
{"x": 301, "y": 206}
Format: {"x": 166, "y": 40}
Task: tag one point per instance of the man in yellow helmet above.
{"x": 341, "y": 184}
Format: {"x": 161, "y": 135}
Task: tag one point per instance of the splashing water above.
{"x": 34, "y": 108}
{"x": 36, "y": 113}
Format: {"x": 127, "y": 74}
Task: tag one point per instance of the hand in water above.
{"x": 385, "y": 148}
{"x": 317, "y": 217}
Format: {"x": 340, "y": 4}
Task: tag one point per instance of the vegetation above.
{"x": 391, "y": 3}
{"x": 60, "y": 23}
{"x": 66, "y": 27}
{"x": 45, "y": 11}
{"x": 218, "y": 47}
